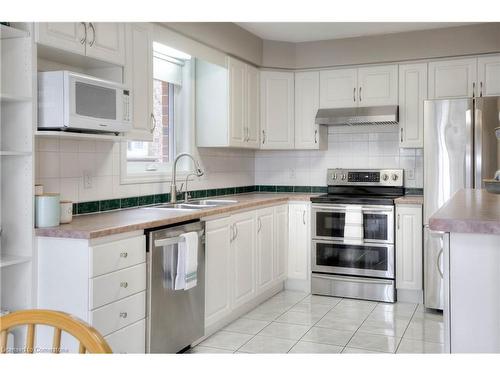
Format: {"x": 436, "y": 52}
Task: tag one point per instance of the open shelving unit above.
{"x": 17, "y": 116}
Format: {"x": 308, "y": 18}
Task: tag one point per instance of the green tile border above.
{"x": 146, "y": 200}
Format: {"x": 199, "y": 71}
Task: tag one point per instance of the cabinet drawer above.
{"x": 116, "y": 285}
{"x": 131, "y": 339}
{"x": 117, "y": 255}
{"x": 119, "y": 314}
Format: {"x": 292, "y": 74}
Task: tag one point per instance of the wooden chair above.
{"x": 90, "y": 340}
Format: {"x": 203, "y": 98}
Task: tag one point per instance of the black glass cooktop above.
{"x": 374, "y": 195}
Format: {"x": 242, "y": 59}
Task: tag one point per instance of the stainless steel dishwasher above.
{"x": 175, "y": 318}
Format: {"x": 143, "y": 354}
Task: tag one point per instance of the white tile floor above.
{"x": 293, "y": 322}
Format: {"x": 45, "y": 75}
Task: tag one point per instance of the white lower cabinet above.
{"x": 243, "y": 254}
{"x": 409, "y": 247}
{"x": 245, "y": 261}
{"x": 101, "y": 281}
{"x": 299, "y": 249}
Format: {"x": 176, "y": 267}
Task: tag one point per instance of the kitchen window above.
{"x": 172, "y": 95}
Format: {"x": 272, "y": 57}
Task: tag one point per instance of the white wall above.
{"x": 369, "y": 146}
{"x": 60, "y": 165}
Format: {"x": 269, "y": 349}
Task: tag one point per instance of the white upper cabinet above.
{"x": 100, "y": 40}
{"x": 409, "y": 247}
{"x": 277, "y": 110}
{"x": 237, "y": 102}
{"x": 106, "y": 41}
{"x": 69, "y": 36}
{"x": 338, "y": 88}
{"x": 253, "y": 107}
{"x": 139, "y": 77}
{"x": 308, "y": 135}
{"x": 227, "y": 104}
{"x": 453, "y": 78}
{"x": 378, "y": 85}
{"x": 488, "y": 72}
{"x": 412, "y": 93}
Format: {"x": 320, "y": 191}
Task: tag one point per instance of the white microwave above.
{"x": 73, "y": 101}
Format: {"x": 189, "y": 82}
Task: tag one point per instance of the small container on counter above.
{"x": 47, "y": 210}
{"x": 66, "y": 212}
{"x": 38, "y": 189}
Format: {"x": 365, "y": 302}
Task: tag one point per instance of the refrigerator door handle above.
{"x": 468, "y": 165}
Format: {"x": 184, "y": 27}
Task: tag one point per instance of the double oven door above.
{"x": 371, "y": 254}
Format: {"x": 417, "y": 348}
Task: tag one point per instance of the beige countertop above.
{"x": 108, "y": 223}
{"x": 410, "y": 199}
{"x": 469, "y": 211}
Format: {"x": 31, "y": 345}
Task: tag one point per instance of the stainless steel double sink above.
{"x": 193, "y": 205}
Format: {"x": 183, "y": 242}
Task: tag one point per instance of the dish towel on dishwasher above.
{"x": 353, "y": 225}
{"x": 187, "y": 261}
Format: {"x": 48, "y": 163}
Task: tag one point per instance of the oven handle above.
{"x": 354, "y": 279}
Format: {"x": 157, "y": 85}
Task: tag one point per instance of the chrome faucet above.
{"x": 173, "y": 187}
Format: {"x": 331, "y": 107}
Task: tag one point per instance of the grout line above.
{"x": 412, "y": 315}
{"x": 374, "y": 307}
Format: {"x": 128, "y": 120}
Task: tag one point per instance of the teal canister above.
{"x": 47, "y": 210}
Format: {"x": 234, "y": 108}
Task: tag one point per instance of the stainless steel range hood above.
{"x": 381, "y": 115}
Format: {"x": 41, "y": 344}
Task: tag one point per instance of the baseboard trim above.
{"x": 410, "y": 296}
{"x": 298, "y": 285}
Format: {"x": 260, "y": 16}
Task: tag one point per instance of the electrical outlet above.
{"x": 292, "y": 173}
{"x": 410, "y": 174}
{"x": 87, "y": 180}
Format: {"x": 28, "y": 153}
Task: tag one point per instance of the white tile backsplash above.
{"x": 60, "y": 164}
{"x": 370, "y": 146}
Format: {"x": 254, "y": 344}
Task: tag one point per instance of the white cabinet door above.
{"x": 488, "y": 69}
{"x": 299, "y": 241}
{"x": 277, "y": 114}
{"x": 252, "y": 107}
{"x": 217, "y": 270}
{"x": 243, "y": 254}
{"x": 237, "y": 102}
{"x": 69, "y": 36}
{"x": 265, "y": 247}
{"x": 412, "y": 93}
{"x": 452, "y": 79}
{"x": 378, "y": 85}
{"x": 409, "y": 247}
{"x": 281, "y": 242}
{"x": 106, "y": 41}
{"x": 338, "y": 88}
{"x": 139, "y": 77}
{"x": 306, "y": 106}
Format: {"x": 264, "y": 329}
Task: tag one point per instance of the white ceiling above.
{"x": 308, "y": 31}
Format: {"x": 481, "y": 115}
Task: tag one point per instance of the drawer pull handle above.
{"x": 124, "y": 254}
{"x": 123, "y": 315}
{"x": 124, "y": 284}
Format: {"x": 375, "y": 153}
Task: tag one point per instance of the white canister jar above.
{"x": 66, "y": 212}
{"x": 47, "y": 210}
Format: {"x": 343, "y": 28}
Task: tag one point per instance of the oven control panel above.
{"x": 371, "y": 177}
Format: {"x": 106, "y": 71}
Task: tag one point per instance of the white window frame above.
{"x": 184, "y": 136}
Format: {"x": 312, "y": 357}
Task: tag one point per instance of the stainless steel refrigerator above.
{"x": 460, "y": 149}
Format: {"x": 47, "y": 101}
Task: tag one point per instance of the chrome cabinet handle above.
{"x": 235, "y": 231}
{"x": 360, "y": 93}
{"x": 354, "y": 94}
{"x": 124, "y": 254}
{"x": 84, "y": 39}
{"x": 123, "y": 315}
{"x": 480, "y": 89}
{"x": 153, "y": 123}
{"x": 437, "y": 263}
{"x": 401, "y": 131}
{"x": 473, "y": 89}
{"x": 263, "y": 136}
{"x": 316, "y": 136}
{"x": 124, "y": 284}
{"x": 304, "y": 217}
{"x": 259, "y": 227}
{"x": 91, "y": 25}
{"x": 399, "y": 220}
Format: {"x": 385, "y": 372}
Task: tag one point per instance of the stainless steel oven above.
{"x": 352, "y": 252}
{"x": 328, "y": 222}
